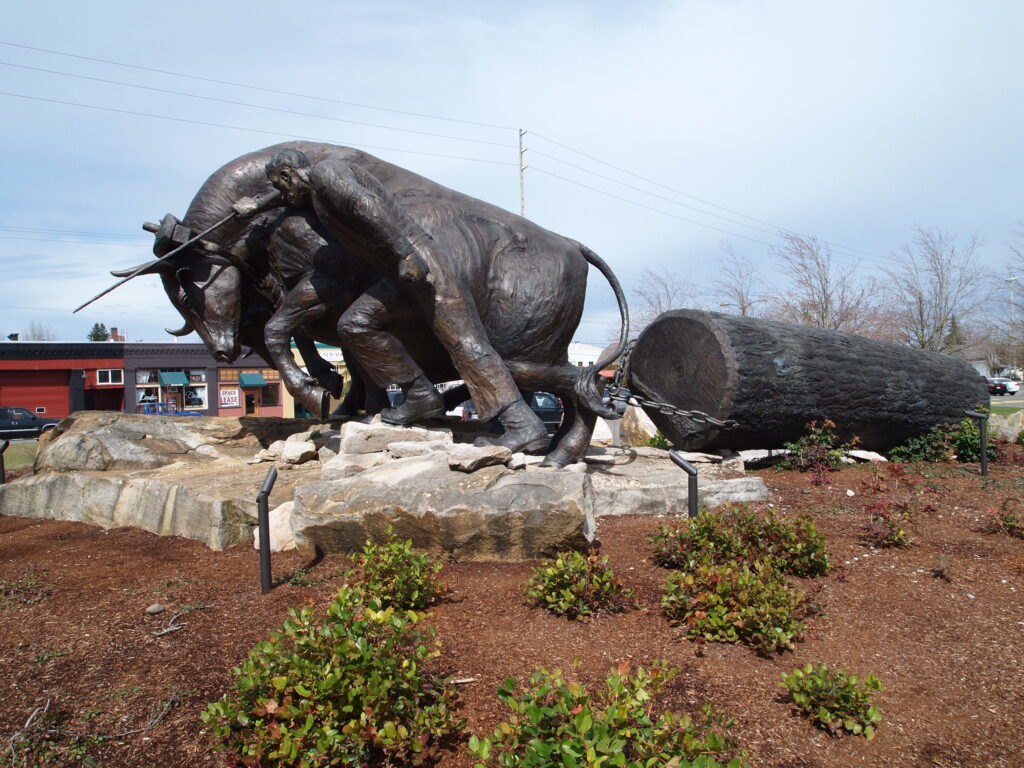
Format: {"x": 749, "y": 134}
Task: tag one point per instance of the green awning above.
{"x": 252, "y": 380}
{"x": 173, "y": 379}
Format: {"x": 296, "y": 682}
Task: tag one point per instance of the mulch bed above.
{"x": 940, "y": 622}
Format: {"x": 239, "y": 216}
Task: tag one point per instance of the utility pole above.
{"x": 522, "y": 181}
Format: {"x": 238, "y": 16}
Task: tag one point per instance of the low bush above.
{"x": 576, "y": 585}
{"x": 729, "y": 604}
{"x": 557, "y": 724}
{"x": 833, "y": 700}
{"x": 818, "y": 452}
{"x": 934, "y": 445}
{"x": 348, "y": 690}
{"x": 399, "y": 575}
{"x": 965, "y": 440}
{"x": 737, "y": 534}
{"x": 887, "y": 522}
{"x": 1005, "y": 520}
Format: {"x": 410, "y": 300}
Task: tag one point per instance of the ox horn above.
{"x": 147, "y": 267}
{"x": 185, "y": 330}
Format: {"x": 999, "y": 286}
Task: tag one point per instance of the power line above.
{"x": 78, "y": 242}
{"x": 648, "y": 207}
{"x": 247, "y": 130}
{"x": 255, "y": 87}
{"x": 256, "y": 106}
{"x": 653, "y": 194}
{"x": 71, "y": 232}
{"x": 776, "y": 227}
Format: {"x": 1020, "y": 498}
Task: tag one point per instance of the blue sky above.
{"x": 654, "y": 129}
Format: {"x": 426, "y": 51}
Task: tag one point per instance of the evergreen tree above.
{"x": 99, "y": 332}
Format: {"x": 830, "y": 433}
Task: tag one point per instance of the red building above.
{"x": 55, "y": 379}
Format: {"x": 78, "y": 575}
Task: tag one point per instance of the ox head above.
{"x": 204, "y": 283}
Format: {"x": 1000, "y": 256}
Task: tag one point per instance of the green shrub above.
{"x": 557, "y": 724}
{"x": 833, "y": 700}
{"x": 819, "y": 451}
{"x": 349, "y": 690}
{"x": 730, "y": 604}
{"x": 398, "y": 575}
{"x": 737, "y": 534}
{"x": 933, "y": 446}
{"x": 576, "y": 585}
{"x": 657, "y": 440}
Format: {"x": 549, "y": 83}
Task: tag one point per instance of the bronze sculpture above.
{"x": 417, "y": 282}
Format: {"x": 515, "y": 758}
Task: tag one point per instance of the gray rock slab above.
{"x": 281, "y": 538}
{"x": 346, "y": 465}
{"x": 470, "y": 458}
{"x": 357, "y": 437}
{"x": 491, "y": 514}
{"x": 652, "y": 485}
{"x": 162, "y": 506}
{"x": 298, "y": 452}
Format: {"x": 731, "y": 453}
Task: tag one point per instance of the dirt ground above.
{"x": 940, "y": 622}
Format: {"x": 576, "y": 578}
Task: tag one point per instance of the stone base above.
{"x": 199, "y": 478}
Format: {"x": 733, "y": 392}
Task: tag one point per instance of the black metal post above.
{"x": 264, "y": 528}
{"x": 690, "y": 470}
{"x": 982, "y": 419}
{"x": 3, "y": 469}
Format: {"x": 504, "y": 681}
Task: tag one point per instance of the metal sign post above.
{"x": 264, "y": 529}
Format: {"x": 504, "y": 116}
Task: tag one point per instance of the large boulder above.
{"x": 491, "y": 514}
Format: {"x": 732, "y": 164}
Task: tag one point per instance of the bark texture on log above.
{"x": 773, "y": 378}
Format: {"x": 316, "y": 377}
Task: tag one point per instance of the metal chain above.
{"x": 618, "y": 392}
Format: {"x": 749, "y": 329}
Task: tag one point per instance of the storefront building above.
{"x": 57, "y": 378}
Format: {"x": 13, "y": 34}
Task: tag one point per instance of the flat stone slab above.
{"x": 491, "y": 514}
{"x": 650, "y": 484}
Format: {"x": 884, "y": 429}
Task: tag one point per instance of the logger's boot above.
{"x": 421, "y": 402}
{"x": 524, "y": 431}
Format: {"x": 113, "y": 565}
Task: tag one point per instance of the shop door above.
{"x": 174, "y": 401}
{"x": 252, "y": 402}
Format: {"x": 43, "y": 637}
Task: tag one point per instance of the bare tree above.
{"x": 737, "y": 284}
{"x": 937, "y": 289}
{"x": 821, "y": 293}
{"x": 38, "y": 332}
{"x": 658, "y": 292}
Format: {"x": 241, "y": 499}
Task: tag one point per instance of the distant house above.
{"x": 582, "y": 355}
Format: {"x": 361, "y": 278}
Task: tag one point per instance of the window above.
{"x": 195, "y": 397}
{"x": 41, "y": 409}
{"x": 110, "y": 376}
{"x": 272, "y": 394}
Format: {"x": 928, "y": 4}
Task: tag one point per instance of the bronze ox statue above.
{"x": 282, "y": 273}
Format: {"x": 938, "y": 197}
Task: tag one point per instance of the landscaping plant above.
{"x": 736, "y": 534}
{"x": 398, "y": 575}
{"x": 1005, "y": 520}
{"x": 886, "y": 525}
{"x": 347, "y": 690}
{"x": 735, "y": 603}
{"x": 560, "y": 724}
{"x": 576, "y": 585}
{"x": 833, "y": 700}
{"x": 818, "y": 452}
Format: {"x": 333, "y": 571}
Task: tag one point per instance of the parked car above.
{"x": 21, "y": 422}
{"x": 1012, "y": 387}
{"x": 547, "y": 406}
{"x": 996, "y": 387}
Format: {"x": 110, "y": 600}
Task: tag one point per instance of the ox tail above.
{"x": 586, "y": 388}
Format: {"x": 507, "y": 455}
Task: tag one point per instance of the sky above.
{"x": 654, "y": 130}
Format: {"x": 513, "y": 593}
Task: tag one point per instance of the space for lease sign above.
{"x": 229, "y": 398}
